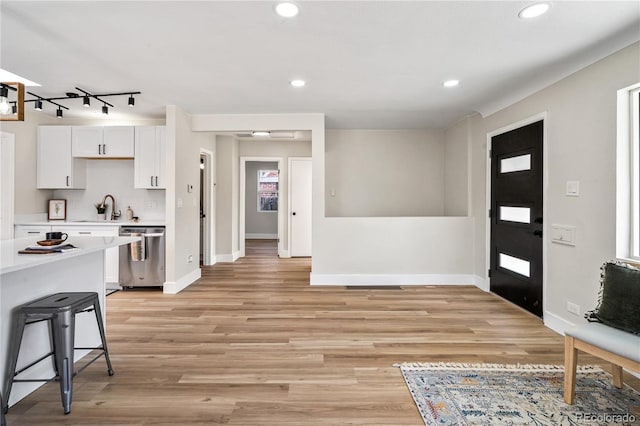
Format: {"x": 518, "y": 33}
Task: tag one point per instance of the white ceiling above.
{"x": 368, "y": 64}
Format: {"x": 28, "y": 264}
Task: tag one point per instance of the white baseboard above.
{"x": 261, "y": 236}
{"x": 391, "y": 279}
{"x": 228, "y": 258}
{"x": 481, "y": 283}
{"x": 283, "y": 254}
{"x": 184, "y": 282}
{"x": 556, "y": 323}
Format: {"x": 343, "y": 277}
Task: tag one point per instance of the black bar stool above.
{"x": 60, "y": 311}
{"x": 3, "y": 422}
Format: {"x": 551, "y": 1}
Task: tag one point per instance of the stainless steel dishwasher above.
{"x": 142, "y": 263}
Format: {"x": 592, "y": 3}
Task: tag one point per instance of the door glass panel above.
{"x": 514, "y": 264}
{"x": 515, "y": 164}
{"x": 515, "y": 214}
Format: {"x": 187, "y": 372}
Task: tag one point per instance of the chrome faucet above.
{"x": 114, "y": 215}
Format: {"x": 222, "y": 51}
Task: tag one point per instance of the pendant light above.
{"x": 105, "y": 109}
{"x": 86, "y": 102}
{"x": 59, "y": 113}
{"x": 132, "y": 101}
{"x": 38, "y": 106}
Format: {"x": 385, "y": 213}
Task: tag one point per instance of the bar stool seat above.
{"x": 59, "y": 310}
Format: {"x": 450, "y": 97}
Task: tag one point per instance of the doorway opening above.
{"x": 260, "y": 201}
{"x": 207, "y": 209}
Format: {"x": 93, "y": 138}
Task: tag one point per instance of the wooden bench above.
{"x": 620, "y": 348}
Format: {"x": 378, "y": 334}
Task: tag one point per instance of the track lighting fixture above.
{"x": 86, "y": 99}
{"x": 14, "y": 109}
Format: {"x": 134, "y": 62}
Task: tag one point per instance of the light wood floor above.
{"x": 253, "y": 344}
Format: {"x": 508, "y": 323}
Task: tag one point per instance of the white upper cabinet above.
{"x": 149, "y": 159}
{"x": 102, "y": 142}
{"x": 56, "y": 169}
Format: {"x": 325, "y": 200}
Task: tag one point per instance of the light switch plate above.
{"x": 573, "y": 188}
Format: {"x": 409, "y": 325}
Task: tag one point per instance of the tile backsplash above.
{"x": 115, "y": 177}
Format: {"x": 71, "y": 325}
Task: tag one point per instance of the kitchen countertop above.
{"x": 90, "y": 223}
{"x": 11, "y": 261}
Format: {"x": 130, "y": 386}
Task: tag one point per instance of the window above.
{"x": 628, "y": 174}
{"x": 267, "y": 190}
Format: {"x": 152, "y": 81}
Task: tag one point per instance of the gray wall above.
{"x": 258, "y": 223}
{"x": 378, "y": 173}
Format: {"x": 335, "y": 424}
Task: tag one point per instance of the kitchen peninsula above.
{"x": 25, "y": 277}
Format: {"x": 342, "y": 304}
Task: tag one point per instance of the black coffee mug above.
{"x": 57, "y": 236}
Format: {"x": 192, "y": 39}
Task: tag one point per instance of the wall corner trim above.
{"x": 184, "y": 282}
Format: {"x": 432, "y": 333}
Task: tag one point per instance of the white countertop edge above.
{"x": 11, "y": 261}
{"x": 96, "y": 223}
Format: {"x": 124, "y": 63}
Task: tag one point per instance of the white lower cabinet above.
{"x": 112, "y": 255}
{"x": 31, "y": 231}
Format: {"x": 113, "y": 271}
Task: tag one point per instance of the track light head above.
{"x": 132, "y": 101}
{"x": 4, "y": 92}
{"x": 86, "y": 102}
{"x": 38, "y": 106}
{"x": 105, "y": 109}
{"x": 14, "y": 109}
{"x": 59, "y": 113}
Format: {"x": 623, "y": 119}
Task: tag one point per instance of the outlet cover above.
{"x": 573, "y": 308}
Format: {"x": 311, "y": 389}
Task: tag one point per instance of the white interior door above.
{"x": 300, "y": 207}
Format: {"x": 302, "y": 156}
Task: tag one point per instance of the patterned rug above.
{"x": 493, "y": 394}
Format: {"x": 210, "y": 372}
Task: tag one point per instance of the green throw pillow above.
{"x": 619, "y": 304}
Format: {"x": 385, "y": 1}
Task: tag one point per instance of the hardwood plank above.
{"x": 252, "y": 343}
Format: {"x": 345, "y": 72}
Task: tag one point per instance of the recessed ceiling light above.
{"x": 298, "y": 83}
{"x": 451, "y": 83}
{"x": 287, "y": 9}
{"x": 534, "y": 10}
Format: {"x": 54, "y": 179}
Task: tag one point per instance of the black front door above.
{"x": 516, "y": 216}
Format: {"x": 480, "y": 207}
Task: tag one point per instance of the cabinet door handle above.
{"x": 156, "y": 180}
{"x": 33, "y": 232}
{"x": 84, "y": 232}
{"x": 151, "y": 180}
{"x": 99, "y": 149}
{"x": 68, "y": 181}
{"x": 104, "y": 149}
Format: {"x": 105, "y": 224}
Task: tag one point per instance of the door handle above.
{"x": 537, "y": 233}
{"x": 538, "y": 220}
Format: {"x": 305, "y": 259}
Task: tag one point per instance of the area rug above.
{"x": 494, "y": 394}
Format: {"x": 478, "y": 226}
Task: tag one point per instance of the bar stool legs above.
{"x": 60, "y": 310}
{"x": 3, "y": 421}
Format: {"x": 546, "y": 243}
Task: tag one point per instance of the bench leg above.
{"x": 616, "y": 372}
{"x": 570, "y": 363}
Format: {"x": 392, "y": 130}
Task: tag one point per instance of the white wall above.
{"x": 581, "y": 145}
{"x": 258, "y": 223}
{"x": 384, "y": 173}
{"x": 456, "y": 170}
{"x": 226, "y": 197}
{"x": 183, "y": 207}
